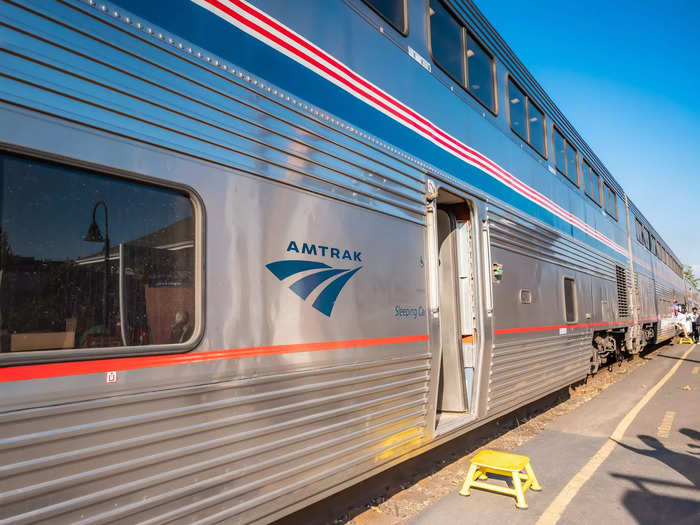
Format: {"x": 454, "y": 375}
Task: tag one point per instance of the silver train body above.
{"x": 453, "y": 309}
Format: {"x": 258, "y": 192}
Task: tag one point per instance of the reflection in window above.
{"x": 565, "y": 157}
{"x": 570, "y": 299}
{"x": 571, "y": 164}
{"x": 610, "y": 202}
{"x": 480, "y": 73}
{"x": 639, "y": 231}
{"x": 526, "y": 119}
{"x": 89, "y": 261}
{"x": 518, "y": 116}
{"x": 535, "y": 123}
{"x": 447, "y": 41}
{"x": 393, "y": 11}
{"x": 591, "y": 181}
{"x": 559, "y": 152}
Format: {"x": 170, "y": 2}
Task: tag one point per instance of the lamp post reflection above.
{"x": 95, "y": 235}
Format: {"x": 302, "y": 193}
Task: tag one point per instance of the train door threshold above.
{"x": 448, "y": 421}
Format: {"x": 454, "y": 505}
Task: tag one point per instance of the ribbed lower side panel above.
{"x": 238, "y": 451}
{"x": 524, "y": 370}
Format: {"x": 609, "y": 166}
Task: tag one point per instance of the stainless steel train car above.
{"x": 252, "y": 252}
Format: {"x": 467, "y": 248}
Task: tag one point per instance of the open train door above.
{"x": 453, "y": 272}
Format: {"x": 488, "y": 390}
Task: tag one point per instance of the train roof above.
{"x": 482, "y": 28}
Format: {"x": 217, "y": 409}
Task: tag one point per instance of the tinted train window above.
{"x": 535, "y": 124}
{"x": 518, "y": 115}
{"x": 461, "y": 56}
{"x": 571, "y": 164}
{"x": 611, "y": 202}
{"x": 526, "y": 119}
{"x": 447, "y": 41}
{"x": 639, "y": 231}
{"x": 90, "y": 261}
{"x": 559, "y": 152}
{"x": 570, "y": 299}
{"x": 480, "y": 73}
{"x": 565, "y": 157}
{"x": 393, "y": 11}
{"x": 591, "y": 182}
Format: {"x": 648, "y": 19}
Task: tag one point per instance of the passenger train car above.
{"x": 252, "y": 252}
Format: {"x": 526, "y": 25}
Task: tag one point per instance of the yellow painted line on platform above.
{"x": 554, "y": 512}
{"x": 664, "y": 429}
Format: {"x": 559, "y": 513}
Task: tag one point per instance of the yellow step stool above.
{"x": 685, "y": 341}
{"x": 504, "y": 464}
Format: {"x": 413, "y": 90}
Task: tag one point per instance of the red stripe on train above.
{"x": 21, "y": 373}
{"x": 321, "y": 60}
{"x": 554, "y": 327}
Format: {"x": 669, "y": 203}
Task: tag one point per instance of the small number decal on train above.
{"x": 111, "y": 377}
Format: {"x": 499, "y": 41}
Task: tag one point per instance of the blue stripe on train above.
{"x": 207, "y": 30}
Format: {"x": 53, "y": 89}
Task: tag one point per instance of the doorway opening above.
{"x": 457, "y": 311}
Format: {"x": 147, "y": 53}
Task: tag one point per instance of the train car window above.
{"x": 610, "y": 201}
{"x": 536, "y": 131}
{"x": 646, "y": 238}
{"x": 652, "y": 244}
{"x": 572, "y": 164}
{"x": 639, "y": 231}
{"x": 480, "y": 73}
{"x": 570, "y": 299}
{"x": 591, "y": 181}
{"x": 559, "y": 152}
{"x": 393, "y": 11}
{"x": 447, "y": 42}
{"x": 92, "y": 261}
{"x": 517, "y": 111}
{"x": 526, "y": 119}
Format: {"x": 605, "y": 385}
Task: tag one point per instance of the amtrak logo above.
{"x": 338, "y": 277}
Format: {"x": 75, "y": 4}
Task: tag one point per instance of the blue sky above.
{"x": 627, "y": 75}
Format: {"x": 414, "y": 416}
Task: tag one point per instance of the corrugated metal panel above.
{"x": 519, "y": 233}
{"x": 524, "y": 370}
{"x": 527, "y": 365}
{"x": 104, "y": 72}
{"x": 183, "y": 452}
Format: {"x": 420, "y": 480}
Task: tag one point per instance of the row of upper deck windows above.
{"x": 457, "y": 52}
{"x": 647, "y": 240}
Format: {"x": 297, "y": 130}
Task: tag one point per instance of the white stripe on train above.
{"x": 255, "y": 22}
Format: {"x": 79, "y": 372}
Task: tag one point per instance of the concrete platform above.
{"x": 652, "y": 474}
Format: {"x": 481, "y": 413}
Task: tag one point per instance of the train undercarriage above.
{"x": 610, "y": 346}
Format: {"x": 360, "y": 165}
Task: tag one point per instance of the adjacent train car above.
{"x": 252, "y": 252}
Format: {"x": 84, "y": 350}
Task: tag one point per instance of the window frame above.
{"x": 464, "y": 84}
{"x": 133, "y": 351}
{"x": 606, "y": 185}
{"x": 526, "y": 104}
{"x": 639, "y": 231}
{"x": 494, "y": 74}
{"x": 404, "y": 31}
{"x": 510, "y": 120}
{"x": 567, "y": 145}
{"x": 575, "y": 298}
{"x": 595, "y": 176}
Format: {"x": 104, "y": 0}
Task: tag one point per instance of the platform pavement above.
{"x": 648, "y": 478}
